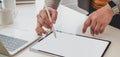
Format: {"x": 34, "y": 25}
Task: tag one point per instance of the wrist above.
{"x": 109, "y": 9}
{"x": 114, "y": 7}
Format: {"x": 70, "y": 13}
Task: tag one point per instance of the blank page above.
{"x": 72, "y": 46}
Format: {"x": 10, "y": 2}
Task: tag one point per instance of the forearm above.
{"x": 52, "y": 3}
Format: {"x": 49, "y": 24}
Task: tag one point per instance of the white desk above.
{"x": 26, "y": 20}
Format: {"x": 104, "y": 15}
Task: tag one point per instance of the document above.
{"x": 68, "y": 45}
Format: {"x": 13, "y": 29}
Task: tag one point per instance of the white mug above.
{"x": 8, "y": 12}
{"x": 6, "y": 17}
{"x": 9, "y": 4}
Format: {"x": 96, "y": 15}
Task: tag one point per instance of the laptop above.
{"x": 25, "y": 1}
{"x": 12, "y": 41}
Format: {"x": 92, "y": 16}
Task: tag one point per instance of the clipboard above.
{"x": 96, "y": 48}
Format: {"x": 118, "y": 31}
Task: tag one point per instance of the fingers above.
{"x": 98, "y": 20}
{"x": 53, "y": 15}
{"x": 102, "y": 28}
{"x": 39, "y": 19}
{"x": 97, "y": 29}
{"x": 44, "y": 19}
{"x": 86, "y": 25}
{"x": 93, "y": 24}
{"x": 40, "y": 30}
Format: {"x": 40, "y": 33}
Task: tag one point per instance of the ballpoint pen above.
{"x": 48, "y": 13}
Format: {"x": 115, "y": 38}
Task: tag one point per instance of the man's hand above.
{"x": 43, "y": 20}
{"x": 98, "y": 20}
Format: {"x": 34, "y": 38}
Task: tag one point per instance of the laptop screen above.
{"x": 25, "y": 1}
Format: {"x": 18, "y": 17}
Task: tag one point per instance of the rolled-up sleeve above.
{"x": 117, "y": 2}
{"x": 52, "y": 3}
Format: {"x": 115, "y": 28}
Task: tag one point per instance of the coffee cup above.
{"x": 6, "y": 17}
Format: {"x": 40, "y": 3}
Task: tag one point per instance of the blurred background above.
{"x": 73, "y": 4}
{"x": 69, "y": 3}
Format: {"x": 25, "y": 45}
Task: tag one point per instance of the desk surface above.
{"x": 26, "y": 20}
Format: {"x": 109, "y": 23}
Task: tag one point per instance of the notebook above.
{"x": 69, "y": 45}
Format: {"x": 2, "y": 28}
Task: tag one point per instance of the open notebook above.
{"x": 68, "y": 45}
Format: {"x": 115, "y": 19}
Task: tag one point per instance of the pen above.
{"x": 46, "y": 8}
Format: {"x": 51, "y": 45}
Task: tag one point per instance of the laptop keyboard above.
{"x": 11, "y": 43}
